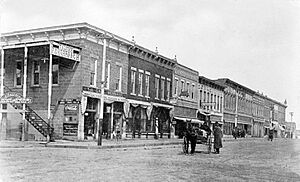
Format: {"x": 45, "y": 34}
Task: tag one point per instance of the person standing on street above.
{"x": 217, "y": 138}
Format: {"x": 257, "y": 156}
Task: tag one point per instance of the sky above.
{"x": 255, "y": 43}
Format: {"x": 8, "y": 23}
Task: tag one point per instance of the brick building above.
{"x": 149, "y": 93}
{"x": 210, "y": 102}
{"x": 185, "y": 96}
{"x": 60, "y": 69}
{"x": 237, "y": 106}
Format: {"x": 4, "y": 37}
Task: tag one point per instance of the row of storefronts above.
{"x": 80, "y": 82}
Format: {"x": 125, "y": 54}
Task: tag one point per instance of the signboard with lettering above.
{"x": 208, "y": 103}
{"x": 14, "y": 98}
{"x": 65, "y": 51}
{"x": 71, "y": 108}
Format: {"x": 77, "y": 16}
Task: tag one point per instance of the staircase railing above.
{"x": 34, "y": 119}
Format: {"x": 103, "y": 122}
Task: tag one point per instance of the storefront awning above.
{"x": 189, "y": 119}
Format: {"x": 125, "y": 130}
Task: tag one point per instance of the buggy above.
{"x": 203, "y": 136}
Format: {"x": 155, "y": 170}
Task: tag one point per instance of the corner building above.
{"x": 60, "y": 69}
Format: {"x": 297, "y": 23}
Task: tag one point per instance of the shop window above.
{"x": 18, "y": 73}
{"x": 36, "y": 73}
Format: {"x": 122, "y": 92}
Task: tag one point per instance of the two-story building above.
{"x": 258, "y": 106}
{"x": 185, "y": 96}
{"x": 237, "y": 106}
{"x": 54, "y": 77}
{"x": 210, "y": 102}
{"x": 149, "y": 92}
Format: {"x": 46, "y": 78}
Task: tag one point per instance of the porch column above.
{"x": 2, "y": 124}
{"x": 25, "y": 124}
{"x": 49, "y": 88}
{"x": 102, "y": 93}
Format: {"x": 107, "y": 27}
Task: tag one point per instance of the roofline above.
{"x": 212, "y": 81}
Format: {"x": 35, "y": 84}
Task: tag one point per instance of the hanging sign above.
{"x": 14, "y": 98}
{"x": 65, "y": 51}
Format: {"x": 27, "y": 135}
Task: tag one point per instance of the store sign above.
{"x": 14, "y": 98}
{"x": 71, "y": 108}
{"x": 65, "y": 51}
{"x": 208, "y": 104}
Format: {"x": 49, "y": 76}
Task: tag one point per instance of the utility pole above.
{"x": 102, "y": 93}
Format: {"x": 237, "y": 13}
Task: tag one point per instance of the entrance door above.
{"x": 90, "y": 126}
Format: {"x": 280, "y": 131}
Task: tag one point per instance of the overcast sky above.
{"x": 253, "y": 42}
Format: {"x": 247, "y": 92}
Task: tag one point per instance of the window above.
{"x": 107, "y": 75}
{"x": 141, "y": 73}
{"x": 182, "y": 85}
{"x": 200, "y": 97}
{"x": 176, "y": 87}
{"x": 215, "y": 101}
{"x": 193, "y": 90}
{"x": 168, "y": 88}
{"x": 218, "y": 103}
{"x": 162, "y": 88}
{"x": 36, "y": 73}
{"x": 18, "y": 74}
{"x": 156, "y": 86}
{"x": 188, "y": 88}
{"x": 133, "y": 71}
{"x": 119, "y": 78}
{"x": 147, "y": 83}
{"x": 55, "y": 70}
{"x": 93, "y": 73}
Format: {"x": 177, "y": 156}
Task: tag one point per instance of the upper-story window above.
{"x": 193, "y": 91}
{"x": 188, "y": 88}
{"x": 55, "y": 72}
{"x": 182, "y": 85}
{"x": 147, "y": 84}
{"x": 93, "y": 73}
{"x": 119, "y": 78}
{"x": 132, "y": 80}
{"x": 162, "y": 88}
{"x": 36, "y": 72}
{"x": 168, "y": 89}
{"x": 156, "y": 86}
{"x": 140, "y": 84}
{"x": 176, "y": 87}
{"x": 18, "y": 73}
{"x": 107, "y": 75}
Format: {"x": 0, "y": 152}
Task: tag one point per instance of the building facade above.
{"x": 60, "y": 70}
{"x": 185, "y": 96}
{"x": 210, "y": 102}
{"x": 149, "y": 92}
{"x": 237, "y": 106}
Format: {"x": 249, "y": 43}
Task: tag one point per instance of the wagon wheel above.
{"x": 209, "y": 143}
{"x": 185, "y": 145}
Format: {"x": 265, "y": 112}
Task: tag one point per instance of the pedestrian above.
{"x": 235, "y": 132}
{"x": 191, "y": 138}
{"x": 217, "y": 138}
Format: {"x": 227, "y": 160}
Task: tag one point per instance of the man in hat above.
{"x": 217, "y": 138}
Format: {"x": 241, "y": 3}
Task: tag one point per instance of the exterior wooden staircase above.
{"x": 34, "y": 119}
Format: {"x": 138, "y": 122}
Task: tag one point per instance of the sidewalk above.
{"x": 106, "y": 144}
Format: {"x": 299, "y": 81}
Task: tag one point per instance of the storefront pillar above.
{"x": 156, "y": 128}
{"x": 49, "y": 88}
{"x": 111, "y": 121}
